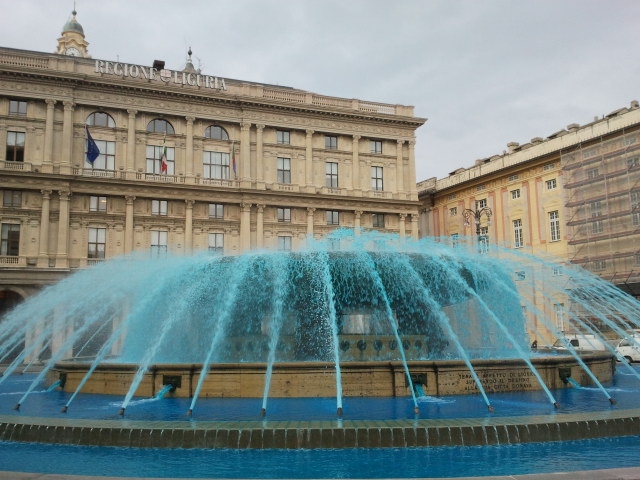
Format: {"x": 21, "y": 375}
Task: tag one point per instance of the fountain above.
{"x": 352, "y": 316}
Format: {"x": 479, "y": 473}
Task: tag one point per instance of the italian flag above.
{"x": 163, "y": 159}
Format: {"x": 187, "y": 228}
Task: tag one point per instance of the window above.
{"x": 284, "y": 243}
{"x": 637, "y": 258}
{"x": 376, "y": 178}
{"x": 592, "y": 173}
{"x": 333, "y": 217}
{"x": 480, "y": 204}
{"x": 454, "y": 240}
{"x": 554, "y": 225}
{"x": 515, "y": 194}
{"x": 10, "y": 240}
{"x": 557, "y": 271}
{"x": 216, "y": 243}
{"x": 453, "y": 211}
{"x": 15, "y": 146}
{"x": 512, "y": 178}
{"x": 17, "y": 107}
{"x": 97, "y": 204}
{"x": 158, "y": 243}
{"x": 549, "y": 166}
{"x": 97, "y": 242}
{"x": 633, "y": 162}
{"x": 154, "y": 159}
{"x": 107, "y": 158}
{"x": 481, "y": 187}
{"x": 599, "y": 265}
{"x": 377, "y": 220}
{"x": 551, "y": 184}
{"x": 215, "y": 165}
{"x": 518, "y": 237}
{"x": 483, "y": 240}
{"x": 375, "y": 146}
{"x": 635, "y": 218}
{"x": 160, "y": 126}
{"x": 282, "y": 137}
{"x": 520, "y": 275}
{"x": 558, "y": 308}
{"x": 101, "y": 119}
{"x": 284, "y": 170}
{"x": 12, "y": 198}
{"x": 214, "y": 132}
{"x": 595, "y": 209}
{"x": 597, "y": 226}
{"x": 159, "y": 207}
{"x": 284, "y": 214}
{"x": 330, "y": 142}
{"x": 216, "y": 210}
{"x": 331, "y": 174}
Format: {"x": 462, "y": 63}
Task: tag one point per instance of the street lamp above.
{"x": 477, "y": 215}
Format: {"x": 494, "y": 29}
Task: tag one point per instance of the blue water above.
{"x": 445, "y": 462}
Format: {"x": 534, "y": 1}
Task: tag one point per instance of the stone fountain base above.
{"x": 317, "y": 379}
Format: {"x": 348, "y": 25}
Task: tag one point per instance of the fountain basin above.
{"x": 318, "y": 379}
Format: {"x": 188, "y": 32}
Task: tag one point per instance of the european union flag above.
{"x": 93, "y": 151}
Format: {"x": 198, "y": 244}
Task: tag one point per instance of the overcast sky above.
{"x": 483, "y": 72}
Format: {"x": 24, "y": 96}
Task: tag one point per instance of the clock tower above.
{"x": 72, "y": 41}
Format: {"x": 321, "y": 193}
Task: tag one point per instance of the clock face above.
{"x": 73, "y": 51}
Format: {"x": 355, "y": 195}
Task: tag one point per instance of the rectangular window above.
{"x": 592, "y": 173}
{"x": 635, "y": 218}
{"x": 633, "y": 162}
{"x": 515, "y": 194}
{"x": 512, "y": 178}
{"x": 17, "y": 107}
{"x": 97, "y": 204}
{"x": 634, "y": 198}
{"x": 284, "y": 170}
{"x": 549, "y": 166}
{"x": 215, "y": 165}
{"x": 331, "y": 174}
{"x": 282, "y": 137}
{"x": 551, "y": 184}
{"x": 376, "y": 179}
{"x": 216, "y": 210}
{"x": 330, "y": 142}
{"x": 97, "y": 242}
{"x": 154, "y": 159}
{"x": 454, "y": 240}
{"x": 375, "y": 146}
{"x": 595, "y": 209}
{"x": 518, "y": 237}
{"x": 599, "y": 265}
{"x": 216, "y": 243}
{"x": 107, "y": 158}
{"x": 559, "y": 311}
{"x": 557, "y": 271}
{"x": 554, "y": 225}
{"x": 284, "y": 215}
{"x": 333, "y": 217}
{"x": 15, "y": 146}
{"x": 284, "y": 243}
{"x": 597, "y": 226}
{"x": 158, "y": 243}
{"x": 377, "y": 220}
{"x": 637, "y": 258}
{"x": 480, "y": 204}
{"x": 483, "y": 240}
{"x": 453, "y": 211}
{"x": 159, "y": 207}
{"x": 12, "y": 198}
{"x": 10, "y": 240}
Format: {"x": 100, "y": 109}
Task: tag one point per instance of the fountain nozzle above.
{"x": 416, "y": 410}
{"x": 490, "y": 407}
{"x": 339, "y": 411}
{"x": 121, "y": 412}
{"x": 612, "y": 401}
{"x": 189, "y": 412}
{"x": 64, "y": 409}
{"x": 555, "y": 404}
{"x": 263, "y": 412}
{"x": 17, "y": 407}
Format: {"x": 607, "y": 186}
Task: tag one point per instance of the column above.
{"x": 259, "y": 154}
{"x": 131, "y": 141}
{"x": 355, "y": 167}
{"x": 245, "y": 152}
{"x": 260, "y": 226}
{"x": 188, "y": 227}
{"x": 128, "y": 225}
{"x": 414, "y": 226}
{"x": 402, "y": 217}
{"x": 67, "y": 138}
{"x": 356, "y": 223}
{"x": 189, "y": 147}
{"x": 245, "y": 227}
{"x": 62, "y": 256}
{"x": 47, "y": 159}
{"x": 412, "y": 170}
{"x": 308, "y": 163}
{"x": 310, "y": 212}
{"x": 3, "y": 142}
{"x": 399, "y": 168}
{"x": 43, "y": 249}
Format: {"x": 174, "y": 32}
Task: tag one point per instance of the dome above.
{"x": 72, "y": 25}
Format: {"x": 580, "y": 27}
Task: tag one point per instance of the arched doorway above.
{"x": 8, "y": 300}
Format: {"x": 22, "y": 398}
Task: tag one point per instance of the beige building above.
{"x": 184, "y": 162}
{"x": 573, "y": 195}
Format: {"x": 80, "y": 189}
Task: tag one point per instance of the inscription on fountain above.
{"x": 498, "y": 381}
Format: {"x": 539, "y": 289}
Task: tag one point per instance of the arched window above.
{"x": 159, "y": 125}
{"x": 216, "y": 133}
{"x": 101, "y": 119}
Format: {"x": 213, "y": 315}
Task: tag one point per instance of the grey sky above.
{"x": 484, "y": 72}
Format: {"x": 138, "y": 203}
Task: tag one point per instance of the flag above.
{"x": 93, "y": 151}
{"x": 233, "y": 160}
{"x": 163, "y": 157}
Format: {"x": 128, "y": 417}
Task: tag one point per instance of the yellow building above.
{"x": 184, "y": 162}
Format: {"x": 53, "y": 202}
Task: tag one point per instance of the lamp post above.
{"x": 477, "y": 215}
